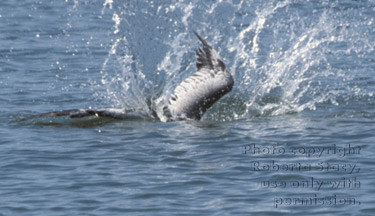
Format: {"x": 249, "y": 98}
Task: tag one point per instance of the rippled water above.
{"x": 295, "y": 135}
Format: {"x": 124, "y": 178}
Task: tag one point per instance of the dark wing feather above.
{"x": 207, "y": 57}
{"x": 81, "y": 113}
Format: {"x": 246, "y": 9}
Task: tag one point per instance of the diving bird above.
{"x": 190, "y": 99}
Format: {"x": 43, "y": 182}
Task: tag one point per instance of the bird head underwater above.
{"x": 189, "y": 101}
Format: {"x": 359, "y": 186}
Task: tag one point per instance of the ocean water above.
{"x": 294, "y": 137}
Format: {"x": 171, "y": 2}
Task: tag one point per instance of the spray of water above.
{"x": 286, "y": 57}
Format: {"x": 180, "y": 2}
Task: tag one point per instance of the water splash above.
{"x": 286, "y": 57}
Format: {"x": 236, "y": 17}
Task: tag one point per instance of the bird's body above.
{"x": 190, "y": 99}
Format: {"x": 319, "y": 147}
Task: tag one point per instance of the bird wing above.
{"x": 106, "y": 112}
{"x": 193, "y": 96}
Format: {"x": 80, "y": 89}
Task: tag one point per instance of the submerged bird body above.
{"x": 190, "y": 99}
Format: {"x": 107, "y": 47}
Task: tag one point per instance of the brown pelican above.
{"x": 190, "y": 99}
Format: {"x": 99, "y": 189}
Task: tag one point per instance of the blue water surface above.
{"x": 295, "y": 136}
